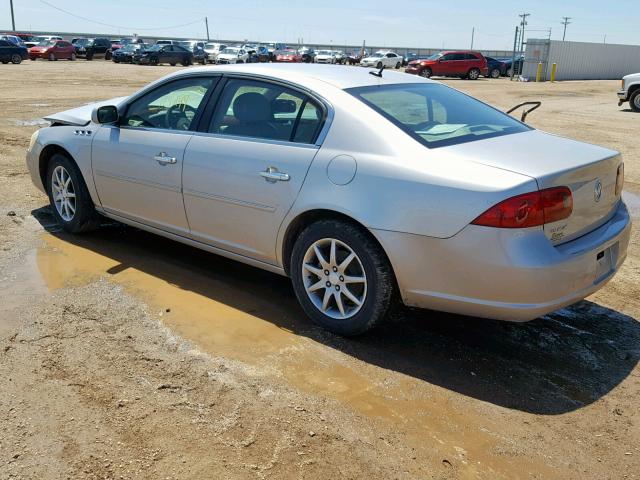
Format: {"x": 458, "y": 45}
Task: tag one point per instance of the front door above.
{"x": 137, "y": 165}
{"x": 243, "y": 174}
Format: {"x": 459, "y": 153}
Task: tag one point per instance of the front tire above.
{"x": 398, "y": 65}
{"x": 72, "y": 57}
{"x": 426, "y": 73}
{"x": 495, "y": 73}
{"x": 341, "y": 277}
{"x": 70, "y": 200}
{"x": 16, "y": 59}
{"x": 634, "y": 100}
{"x": 379, "y": 65}
{"x": 52, "y": 57}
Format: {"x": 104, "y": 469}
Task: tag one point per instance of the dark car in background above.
{"x": 262, "y": 54}
{"x": 508, "y": 61}
{"x": 460, "y": 63}
{"x": 127, "y": 52}
{"x": 409, "y": 57}
{"x": 496, "y": 68}
{"x": 308, "y": 54}
{"x": 197, "y": 48}
{"x": 28, "y": 39}
{"x": 95, "y": 48}
{"x": 10, "y": 52}
{"x": 273, "y": 47}
{"x": 161, "y": 53}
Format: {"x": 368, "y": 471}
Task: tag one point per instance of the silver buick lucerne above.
{"x": 357, "y": 184}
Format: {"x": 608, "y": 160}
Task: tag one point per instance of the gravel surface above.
{"x": 124, "y": 355}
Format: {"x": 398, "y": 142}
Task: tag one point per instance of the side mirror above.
{"x": 105, "y": 114}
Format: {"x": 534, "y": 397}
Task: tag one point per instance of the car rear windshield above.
{"x": 437, "y": 115}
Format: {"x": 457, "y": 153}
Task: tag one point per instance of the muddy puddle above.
{"x": 242, "y": 313}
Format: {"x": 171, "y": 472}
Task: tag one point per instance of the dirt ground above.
{"x": 124, "y": 355}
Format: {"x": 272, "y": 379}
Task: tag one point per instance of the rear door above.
{"x": 243, "y": 172}
{"x": 6, "y": 50}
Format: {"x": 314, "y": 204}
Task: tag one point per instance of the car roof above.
{"x": 308, "y": 74}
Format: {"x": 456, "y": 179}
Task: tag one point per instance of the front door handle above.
{"x": 163, "y": 159}
{"x": 272, "y": 175}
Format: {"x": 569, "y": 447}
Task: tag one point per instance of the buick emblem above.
{"x": 597, "y": 191}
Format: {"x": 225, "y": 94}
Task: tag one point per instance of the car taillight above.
{"x": 529, "y": 210}
{"x": 620, "y": 179}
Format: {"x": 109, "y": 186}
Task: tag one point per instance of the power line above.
{"x": 523, "y": 23}
{"x": 117, "y": 26}
{"x": 565, "y": 22}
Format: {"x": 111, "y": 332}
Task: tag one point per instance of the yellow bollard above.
{"x": 554, "y": 67}
{"x": 539, "y": 72}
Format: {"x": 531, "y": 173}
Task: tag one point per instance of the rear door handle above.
{"x": 163, "y": 159}
{"x": 272, "y": 175}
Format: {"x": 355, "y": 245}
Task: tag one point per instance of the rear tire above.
{"x": 153, "y": 61}
{"x": 52, "y": 57}
{"x": 634, "y": 100}
{"x": 398, "y": 65}
{"x": 473, "y": 74}
{"x": 108, "y": 55}
{"x": 374, "y": 294}
{"x": 16, "y": 59}
{"x": 72, "y": 57}
{"x": 379, "y": 65}
{"x": 495, "y": 73}
{"x": 64, "y": 183}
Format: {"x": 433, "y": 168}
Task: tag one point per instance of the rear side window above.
{"x": 437, "y": 115}
{"x": 250, "y": 108}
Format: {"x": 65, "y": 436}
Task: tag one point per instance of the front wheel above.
{"x": 379, "y": 65}
{"x": 16, "y": 59}
{"x": 72, "y": 57}
{"x": 341, "y": 277}
{"x": 70, "y": 200}
{"x": 108, "y": 55}
{"x": 52, "y": 57}
{"x": 634, "y": 100}
{"x": 398, "y": 65}
{"x": 426, "y": 72}
{"x": 495, "y": 73}
{"x": 473, "y": 74}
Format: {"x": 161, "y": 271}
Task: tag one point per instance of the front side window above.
{"x": 437, "y": 115}
{"x": 249, "y": 108}
{"x": 172, "y": 106}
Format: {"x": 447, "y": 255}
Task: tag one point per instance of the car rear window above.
{"x": 437, "y": 115}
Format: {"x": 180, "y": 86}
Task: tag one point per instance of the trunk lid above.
{"x": 588, "y": 170}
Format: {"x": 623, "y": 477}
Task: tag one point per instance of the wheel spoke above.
{"x": 316, "y": 286}
{"x": 71, "y": 195}
{"x": 345, "y": 263}
{"x": 71, "y": 206}
{"x": 338, "y": 297}
{"x": 332, "y": 253}
{"x": 320, "y": 257}
{"x": 347, "y": 293}
{"x": 318, "y": 272}
{"x": 354, "y": 279}
{"x": 325, "y": 301}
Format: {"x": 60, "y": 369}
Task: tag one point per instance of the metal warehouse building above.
{"x": 580, "y": 60}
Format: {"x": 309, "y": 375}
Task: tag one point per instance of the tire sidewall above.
{"x": 635, "y": 97}
{"x": 16, "y": 59}
{"x": 426, "y": 73}
{"x": 370, "y": 312}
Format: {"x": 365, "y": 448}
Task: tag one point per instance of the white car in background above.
{"x": 213, "y": 50}
{"x": 325, "y": 56}
{"x": 382, "y": 59}
{"x": 232, "y": 55}
{"x": 630, "y": 91}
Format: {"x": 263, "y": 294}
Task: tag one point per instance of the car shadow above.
{"x": 552, "y": 365}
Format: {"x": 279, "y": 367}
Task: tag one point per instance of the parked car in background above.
{"x": 163, "y": 53}
{"x": 9, "y": 52}
{"x": 232, "y": 55}
{"x": 382, "y": 59}
{"x": 508, "y": 61}
{"x": 308, "y": 54}
{"x": 341, "y": 57}
{"x": 354, "y": 57}
{"x": 197, "y": 48}
{"x": 438, "y": 212}
{"x": 28, "y": 39}
{"x": 325, "y": 56}
{"x": 42, "y": 38}
{"x": 97, "y": 48}
{"x": 213, "y": 49}
{"x": 53, "y": 50}
{"x": 630, "y": 91}
{"x": 273, "y": 47}
{"x": 126, "y": 53}
{"x": 409, "y": 57}
{"x": 288, "y": 56}
{"x": 262, "y": 54}
{"x": 496, "y": 68}
{"x": 13, "y": 39}
{"x": 80, "y": 44}
{"x": 463, "y": 64}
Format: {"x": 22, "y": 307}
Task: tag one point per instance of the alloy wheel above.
{"x": 636, "y": 101}
{"x": 16, "y": 59}
{"x": 334, "y": 278}
{"x": 63, "y": 193}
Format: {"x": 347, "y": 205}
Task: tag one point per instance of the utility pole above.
{"x": 473, "y": 32}
{"x": 13, "y": 19}
{"x": 206, "y": 23}
{"x": 513, "y": 58}
{"x": 523, "y": 23}
{"x": 605, "y": 38}
{"x": 565, "y": 21}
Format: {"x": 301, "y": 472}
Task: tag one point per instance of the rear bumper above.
{"x": 504, "y": 274}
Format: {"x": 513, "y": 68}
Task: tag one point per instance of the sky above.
{"x": 401, "y": 23}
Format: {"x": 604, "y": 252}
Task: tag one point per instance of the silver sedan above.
{"x": 363, "y": 187}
